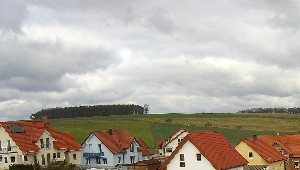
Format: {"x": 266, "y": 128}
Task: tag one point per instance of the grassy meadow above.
{"x": 160, "y": 126}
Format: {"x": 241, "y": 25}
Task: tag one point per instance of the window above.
{"x": 179, "y": 140}
{"x": 100, "y": 148}
{"x": 58, "y": 155}
{"x": 0, "y": 158}
{"x": 25, "y": 158}
{"x": 74, "y": 156}
{"x": 5, "y": 160}
{"x": 119, "y": 160}
{"x": 8, "y": 145}
{"x": 0, "y": 147}
{"x": 250, "y": 154}
{"x": 198, "y": 157}
{"x": 296, "y": 164}
{"x": 168, "y": 149}
{"x": 47, "y": 143}
{"x": 104, "y": 161}
{"x": 42, "y": 143}
{"x": 132, "y": 159}
{"x": 43, "y": 160}
{"x": 181, "y": 158}
{"x": 98, "y": 160}
{"x": 54, "y": 155}
{"x": 88, "y": 161}
{"x": 12, "y": 159}
{"x": 131, "y": 147}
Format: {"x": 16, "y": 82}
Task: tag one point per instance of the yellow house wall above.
{"x": 64, "y": 155}
{"x": 279, "y": 165}
{"x": 244, "y": 150}
{"x": 70, "y": 159}
{"x": 51, "y": 150}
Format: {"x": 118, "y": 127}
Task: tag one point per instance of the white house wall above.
{"x": 174, "y": 143}
{"x": 91, "y": 146}
{"x": 137, "y": 154}
{"x": 17, "y": 153}
{"x": 189, "y": 151}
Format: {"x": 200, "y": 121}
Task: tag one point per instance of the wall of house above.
{"x": 51, "y": 152}
{"x": 91, "y": 145}
{"x": 236, "y": 168}
{"x": 136, "y": 154}
{"x": 244, "y": 150}
{"x": 73, "y": 157}
{"x": 15, "y": 152}
{"x": 279, "y": 165}
{"x": 174, "y": 141}
{"x": 190, "y": 159}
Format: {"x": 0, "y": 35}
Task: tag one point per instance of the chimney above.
{"x": 254, "y": 136}
{"x": 110, "y": 131}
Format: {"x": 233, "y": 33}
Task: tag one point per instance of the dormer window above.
{"x": 47, "y": 143}
{"x": 131, "y": 147}
{"x": 42, "y": 143}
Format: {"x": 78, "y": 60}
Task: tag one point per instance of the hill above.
{"x": 160, "y": 126}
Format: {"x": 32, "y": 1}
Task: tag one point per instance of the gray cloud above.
{"x": 176, "y": 56}
{"x": 12, "y": 15}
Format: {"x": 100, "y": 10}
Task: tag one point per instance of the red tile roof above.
{"x": 117, "y": 142}
{"x": 32, "y": 132}
{"x": 289, "y": 142}
{"x": 267, "y": 152}
{"x": 146, "y": 151}
{"x": 214, "y": 147}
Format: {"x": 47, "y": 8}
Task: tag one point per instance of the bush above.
{"x": 61, "y": 165}
{"x": 208, "y": 124}
{"x": 23, "y": 167}
{"x": 169, "y": 120}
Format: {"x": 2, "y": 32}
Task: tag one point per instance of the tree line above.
{"x": 291, "y": 110}
{"x": 89, "y": 111}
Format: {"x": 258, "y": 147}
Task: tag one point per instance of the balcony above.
{"x": 92, "y": 155}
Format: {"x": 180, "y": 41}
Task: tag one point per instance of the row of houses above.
{"x": 36, "y": 142}
{"x": 210, "y": 150}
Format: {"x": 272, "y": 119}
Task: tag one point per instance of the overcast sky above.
{"x": 177, "y": 56}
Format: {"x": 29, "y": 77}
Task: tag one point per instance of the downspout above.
{"x": 124, "y": 158}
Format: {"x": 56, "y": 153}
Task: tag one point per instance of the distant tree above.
{"x": 146, "y": 109}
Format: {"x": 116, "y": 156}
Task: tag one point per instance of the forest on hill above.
{"x": 89, "y": 111}
{"x": 291, "y": 110}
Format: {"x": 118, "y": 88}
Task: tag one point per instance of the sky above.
{"x": 174, "y": 55}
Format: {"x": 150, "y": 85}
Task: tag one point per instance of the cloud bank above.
{"x": 176, "y": 56}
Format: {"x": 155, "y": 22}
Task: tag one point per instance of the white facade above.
{"x": 170, "y": 144}
{"x": 96, "y": 154}
{"x": 189, "y": 160}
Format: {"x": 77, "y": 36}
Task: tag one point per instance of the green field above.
{"x": 160, "y": 126}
